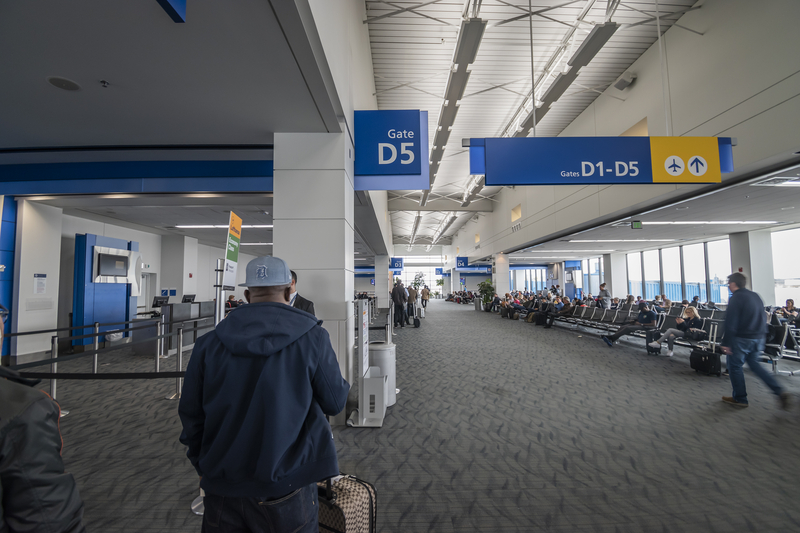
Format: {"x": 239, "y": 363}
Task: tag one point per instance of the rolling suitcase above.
{"x": 417, "y": 322}
{"x": 503, "y": 312}
{"x": 540, "y": 319}
{"x": 704, "y": 361}
{"x": 650, "y": 336}
{"x": 347, "y": 505}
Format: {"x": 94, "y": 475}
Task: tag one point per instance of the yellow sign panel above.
{"x": 685, "y": 159}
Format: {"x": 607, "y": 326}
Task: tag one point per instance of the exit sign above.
{"x": 636, "y": 224}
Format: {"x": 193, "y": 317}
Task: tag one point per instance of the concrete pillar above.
{"x": 383, "y": 280}
{"x": 751, "y": 254}
{"x": 313, "y": 230}
{"x": 615, "y": 272}
{"x": 500, "y": 276}
{"x": 179, "y": 265}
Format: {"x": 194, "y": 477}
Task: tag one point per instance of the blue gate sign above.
{"x": 387, "y": 143}
{"x": 396, "y": 262}
{"x": 439, "y": 271}
{"x": 462, "y": 262}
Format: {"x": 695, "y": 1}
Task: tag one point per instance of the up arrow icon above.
{"x": 698, "y": 166}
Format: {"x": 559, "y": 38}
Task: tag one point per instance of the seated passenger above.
{"x": 646, "y": 320}
{"x": 789, "y": 312}
{"x": 614, "y": 303}
{"x": 629, "y": 299}
{"x": 695, "y": 302}
{"x": 565, "y": 310}
{"x": 692, "y": 321}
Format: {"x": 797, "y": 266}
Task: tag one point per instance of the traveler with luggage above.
{"x": 604, "y": 297}
{"x": 744, "y": 340}
{"x": 412, "y": 301}
{"x": 426, "y": 295}
{"x": 565, "y": 310}
{"x": 691, "y": 323}
{"x": 399, "y": 300}
{"x": 253, "y": 407}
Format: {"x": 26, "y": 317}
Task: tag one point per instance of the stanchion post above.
{"x": 158, "y": 345}
{"x": 178, "y": 367}
{"x": 95, "y": 346}
{"x": 53, "y": 365}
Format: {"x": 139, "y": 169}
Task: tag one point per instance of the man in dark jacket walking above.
{"x": 36, "y": 493}
{"x": 744, "y": 339}
{"x": 253, "y": 408}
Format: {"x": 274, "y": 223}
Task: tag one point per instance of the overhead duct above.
{"x": 443, "y": 226}
{"x": 417, "y": 220}
{"x": 474, "y": 186}
{"x": 469, "y": 40}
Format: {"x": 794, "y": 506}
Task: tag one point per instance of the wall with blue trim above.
{"x": 8, "y": 235}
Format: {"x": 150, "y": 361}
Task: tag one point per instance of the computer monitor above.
{"x": 188, "y": 298}
{"x": 159, "y": 301}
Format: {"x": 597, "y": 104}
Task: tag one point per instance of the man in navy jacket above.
{"x": 745, "y": 335}
{"x": 253, "y": 408}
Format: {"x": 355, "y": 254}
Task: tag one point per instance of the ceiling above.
{"x": 413, "y": 46}
{"x": 214, "y": 80}
{"x": 161, "y": 214}
{"x": 768, "y": 202}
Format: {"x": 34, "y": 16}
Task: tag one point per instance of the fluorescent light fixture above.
{"x": 255, "y": 244}
{"x": 567, "y": 251}
{"x": 474, "y": 186}
{"x": 718, "y": 222}
{"x": 222, "y": 226}
{"x": 360, "y": 259}
{"x": 428, "y": 248}
{"x": 414, "y": 229}
{"x": 625, "y": 240}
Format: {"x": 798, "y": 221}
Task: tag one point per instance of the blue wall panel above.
{"x": 98, "y": 302}
{"x": 8, "y": 238}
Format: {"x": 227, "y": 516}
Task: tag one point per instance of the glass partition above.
{"x": 719, "y": 268}
{"x": 786, "y": 265}
{"x": 652, "y": 275}
{"x": 585, "y": 275}
{"x": 635, "y": 274}
{"x": 694, "y": 271}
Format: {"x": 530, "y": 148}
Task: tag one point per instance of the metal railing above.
{"x": 162, "y": 351}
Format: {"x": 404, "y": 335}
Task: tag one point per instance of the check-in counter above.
{"x": 181, "y": 315}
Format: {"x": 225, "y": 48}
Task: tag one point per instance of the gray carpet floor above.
{"x": 500, "y": 426}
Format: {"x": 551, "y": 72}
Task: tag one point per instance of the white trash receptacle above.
{"x": 383, "y": 355}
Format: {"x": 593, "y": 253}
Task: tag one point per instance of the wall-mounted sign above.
{"x": 372, "y": 281}
{"x": 446, "y": 274}
{"x": 232, "y": 253}
{"x": 463, "y": 281}
{"x": 39, "y": 283}
{"x": 462, "y": 262}
{"x": 600, "y": 160}
{"x": 396, "y": 263}
{"x": 391, "y": 150}
{"x": 397, "y": 272}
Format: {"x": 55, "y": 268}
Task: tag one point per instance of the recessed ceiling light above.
{"x": 63, "y": 83}
{"x": 786, "y": 208}
{"x": 682, "y": 208}
{"x": 627, "y": 240}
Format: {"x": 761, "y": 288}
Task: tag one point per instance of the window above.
{"x": 516, "y": 213}
{"x": 719, "y": 268}
{"x": 694, "y": 271}
{"x": 671, "y": 263}
{"x": 585, "y": 276}
{"x": 635, "y": 274}
{"x": 652, "y": 275}
{"x": 594, "y": 275}
{"x": 786, "y": 265}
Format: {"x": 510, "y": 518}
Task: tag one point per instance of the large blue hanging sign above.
{"x": 391, "y": 150}
{"x": 438, "y": 272}
{"x": 396, "y": 263}
{"x": 600, "y": 160}
{"x": 462, "y": 262}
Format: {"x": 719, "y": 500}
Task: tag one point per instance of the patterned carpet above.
{"x": 500, "y": 426}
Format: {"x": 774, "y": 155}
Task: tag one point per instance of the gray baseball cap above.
{"x": 267, "y": 272}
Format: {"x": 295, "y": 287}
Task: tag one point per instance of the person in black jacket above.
{"x": 691, "y": 321}
{"x": 744, "y": 340}
{"x": 253, "y": 408}
{"x": 399, "y": 300}
{"x": 297, "y": 301}
{"x": 36, "y": 493}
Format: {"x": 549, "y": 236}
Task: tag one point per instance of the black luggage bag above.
{"x": 707, "y": 362}
{"x": 651, "y": 335}
{"x": 503, "y": 312}
{"x": 541, "y": 319}
{"x": 347, "y": 505}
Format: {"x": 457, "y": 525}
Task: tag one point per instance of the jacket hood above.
{"x": 261, "y": 329}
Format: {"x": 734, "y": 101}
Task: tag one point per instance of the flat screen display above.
{"x": 112, "y": 265}
{"x": 158, "y": 301}
{"x": 187, "y": 298}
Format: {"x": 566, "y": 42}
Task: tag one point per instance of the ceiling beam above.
{"x": 476, "y": 206}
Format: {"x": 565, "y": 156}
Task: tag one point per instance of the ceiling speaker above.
{"x": 63, "y": 83}
{"x": 625, "y": 80}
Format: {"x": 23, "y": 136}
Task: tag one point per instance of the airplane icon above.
{"x": 674, "y": 167}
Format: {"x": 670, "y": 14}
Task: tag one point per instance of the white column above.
{"x": 38, "y": 251}
{"x": 313, "y": 229}
{"x": 500, "y": 277}
{"x": 615, "y": 271}
{"x": 383, "y": 280}
{"x": 751, "y": 254}
{"x": 178, "y": 262}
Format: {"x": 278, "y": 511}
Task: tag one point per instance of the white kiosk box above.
{"x": 373, "y": 388}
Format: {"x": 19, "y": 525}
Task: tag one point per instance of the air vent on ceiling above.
{"x": 63, "y": 83}
{"x": 779, "y": 181}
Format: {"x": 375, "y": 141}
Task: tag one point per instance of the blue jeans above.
{"x": 296, "y": 512}
{"x": 748, "y": 350}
